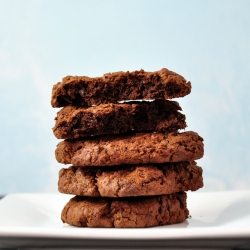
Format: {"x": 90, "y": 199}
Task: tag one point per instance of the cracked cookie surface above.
{"x": 129, "y": 181}
{"x": 141, "y": 148}
{"x": 119, "y": 86}
{"x": 136, "y": 212}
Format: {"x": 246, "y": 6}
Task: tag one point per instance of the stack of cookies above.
{"x": 130, "y": 164}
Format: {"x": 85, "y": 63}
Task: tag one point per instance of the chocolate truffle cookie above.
{"x": 119, "y": 86}
{"x": 125, "y": 181}
{"x": 136, "y": 212}
{"x": 161, "y": 116}
{"x": 141, "y": 148}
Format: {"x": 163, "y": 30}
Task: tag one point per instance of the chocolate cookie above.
{"x": 136, "y": 212}
{"x": 141, "y": 148}
{"x": 75, "y": 122}
{"x": 119, "y": 86}
{"x": 127, "y": 181}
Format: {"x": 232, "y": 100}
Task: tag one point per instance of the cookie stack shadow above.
{"x": 130, "y": 164}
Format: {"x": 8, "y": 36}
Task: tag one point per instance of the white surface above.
{"x": 218, "y": 215}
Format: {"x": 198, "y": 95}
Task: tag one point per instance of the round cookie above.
{"x": 136, "y": 212}
{"x": 141, "y": 148}
{"x": 127, "y": 181}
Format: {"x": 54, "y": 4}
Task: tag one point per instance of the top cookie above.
{"x": 119, "y": 86}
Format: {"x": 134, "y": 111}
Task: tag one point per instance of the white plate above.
{"x": 219, "y": 219}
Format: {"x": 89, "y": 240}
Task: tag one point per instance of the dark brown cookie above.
{"x": 141, "y": 148}
{"x": 161, "y": 116}
{"x": 127, "y": 181}
{"x": 136, "y": 212}
{"x": 119, "y": 86}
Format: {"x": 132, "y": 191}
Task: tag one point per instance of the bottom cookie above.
{"x": 134, "y": 212}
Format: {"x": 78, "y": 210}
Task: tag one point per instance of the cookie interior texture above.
{"x": 119, "y": 86}
{"x": 77, "y": 121}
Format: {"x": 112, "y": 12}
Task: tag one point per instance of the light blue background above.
{"x": 208, "y": 42}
